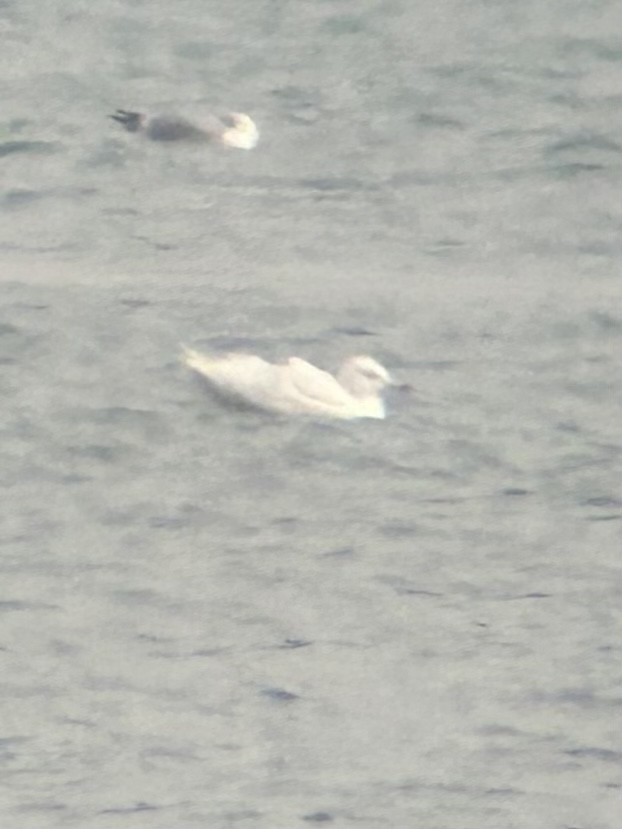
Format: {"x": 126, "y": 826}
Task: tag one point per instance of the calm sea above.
{"x": 216, "y": 618}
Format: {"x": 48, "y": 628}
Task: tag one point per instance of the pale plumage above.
{"x": 296, "y": 386}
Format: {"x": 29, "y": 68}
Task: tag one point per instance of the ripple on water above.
{"x": 33, "y": 147}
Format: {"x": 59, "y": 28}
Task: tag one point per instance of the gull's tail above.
{"x": 195, "y": 360}
{"x": 132, "y": 121}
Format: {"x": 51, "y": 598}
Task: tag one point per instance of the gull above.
{"x": 234, "y": 130}
{"x": 297, "y": 387}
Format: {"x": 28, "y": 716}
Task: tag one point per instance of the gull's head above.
{"x": 364, "y": 377}
{"x": 241, "y": 132}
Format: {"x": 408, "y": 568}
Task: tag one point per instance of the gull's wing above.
{"x": 235, "y": 372}
{"x": 315, "y": 385}
{"x": 244, "y": 376}
{"x": 296, "y": 387}
{"x": 172, "y": 128}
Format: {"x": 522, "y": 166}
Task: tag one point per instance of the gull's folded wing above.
{"x": 317, "y": 385}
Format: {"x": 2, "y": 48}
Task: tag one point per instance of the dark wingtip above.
{"x": 132, "y": 121}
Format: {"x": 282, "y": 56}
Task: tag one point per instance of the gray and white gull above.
{"x": 234, "y": 130}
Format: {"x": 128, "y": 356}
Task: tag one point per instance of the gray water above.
{"x": 214, "y": 617}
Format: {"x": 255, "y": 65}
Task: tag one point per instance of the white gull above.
{"x": 297, "y": 387}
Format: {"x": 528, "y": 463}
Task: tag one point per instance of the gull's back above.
{"x": 244, "y": 376}
{"x": 172, "y": 128}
